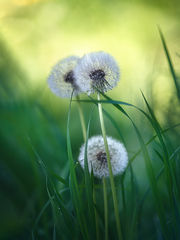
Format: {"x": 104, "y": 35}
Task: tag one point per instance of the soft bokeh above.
{"x": 34, "y": 35}
{"x": 39, "y": 33}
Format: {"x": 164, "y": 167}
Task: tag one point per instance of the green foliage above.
{"x": 45, "y": 194}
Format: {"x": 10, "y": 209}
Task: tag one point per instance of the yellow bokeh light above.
{"x": 25, "y": 2}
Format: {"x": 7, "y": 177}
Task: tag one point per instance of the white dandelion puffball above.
{"x": 97, "y": 160}
{"x": 61, "y": 79}
{"x": 97, "y": 70}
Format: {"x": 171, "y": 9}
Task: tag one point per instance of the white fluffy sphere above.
{"x": 96, "y": 156}
{"x": 61, "y": 79}
{"x": 97, "y": 70}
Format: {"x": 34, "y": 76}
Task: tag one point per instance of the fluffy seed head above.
{"x": 61, "y": 79}
{"x": 97, "y": 70}
{"x": 97, "y": 159}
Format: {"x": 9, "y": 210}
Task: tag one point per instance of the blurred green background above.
{"x": 34, "y": 35}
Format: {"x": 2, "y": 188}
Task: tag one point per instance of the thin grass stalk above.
{"x": 171, "y": 67}
{"x": 114, "y": 195}
{"x": 105, "y": 208}
{"x": 123, "y": 195}
{"x": 73, "y": 182}
{"x": 96, "y": 214}
{"x": 89, "y": 182}
{"x": 167, "y": 164}
{"x": 82, "y": 120}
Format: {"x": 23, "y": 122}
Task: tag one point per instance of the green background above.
{"x": 34, "y": 35}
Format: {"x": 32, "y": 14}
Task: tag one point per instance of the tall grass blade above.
{"x": 150, "y": 141}
{"x": 89, "y": 181}
{"x": 111, "y": 177}
{"x": 170, "y": 179}
{"x": 74, "y": 184}
{"x": 40, "y": 214}
{"x": 150, "y": 173}
{"x": 171, "y": 67}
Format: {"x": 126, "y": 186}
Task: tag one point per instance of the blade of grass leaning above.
{"x": 170, "y": 180}
{"x": 39, "y": 217}
{"x": 150, "y": 173}
{"x": 89, "y": 182}
{"x": 154, "y": 123}
{"x": 109, "y": 101}
{"x": 68, "y": 219}
{"x": 114, "y": 195}
{"x": 115, "y": 102}
{"x": 43, "y": 166}
{"x": 67, "y": 216}
{"x": 151, "y": 140}
{"x": 141, "y": 202}
{"x": 59, "y": 178}
{"x": 157, "y": 128}
{"x": 159, "y": 155}
{"x": 74, "y": 184}
{"x": 51, "y": 198}
{"x": 153, "y": 183}
{"x": 44, "y": 169}
{"x": 158, "y": 176}
{"x": 171, "y": 67}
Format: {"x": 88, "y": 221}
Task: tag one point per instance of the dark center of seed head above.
{"x": 97, "y": 75}
{"x": 101, "y": 157}
{"x": 69, "y": 77}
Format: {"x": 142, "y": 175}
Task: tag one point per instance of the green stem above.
{"x": 114, "y": 196}
{"x": 105, "y": 208}
{"x": 96, "y": 214}
{"x": 123, "y": 195}
{"x": 83, "y": 125}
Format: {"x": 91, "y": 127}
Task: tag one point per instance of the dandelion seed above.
{"x": 61, "y": 79}
{"x": 97, "y": 159}
{"x": 97, "y": 70}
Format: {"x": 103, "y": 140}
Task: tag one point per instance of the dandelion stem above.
{"x": 83, "y": 125}
{"x": 105, "y": 208}
{"x": 114, "y": 195}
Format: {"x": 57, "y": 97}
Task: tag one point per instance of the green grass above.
{"x": 45, "y": 192}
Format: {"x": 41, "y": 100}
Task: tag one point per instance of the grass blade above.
{"x": 111, "y": 177}
{"x": 150, "y": 172}
{"x": 171, "y": 67}
{"x": 89, "y": 182}
{"x": 74, "y": 184}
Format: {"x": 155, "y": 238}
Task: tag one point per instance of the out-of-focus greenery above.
{"x": 33, "y": 36}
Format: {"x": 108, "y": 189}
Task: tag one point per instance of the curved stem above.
{"x": 114, "y": 195}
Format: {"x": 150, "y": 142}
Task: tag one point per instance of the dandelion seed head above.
{"x": 97, "y": 70}
{"x": 97, "y": 159}
{"x": 61, "y": 79}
